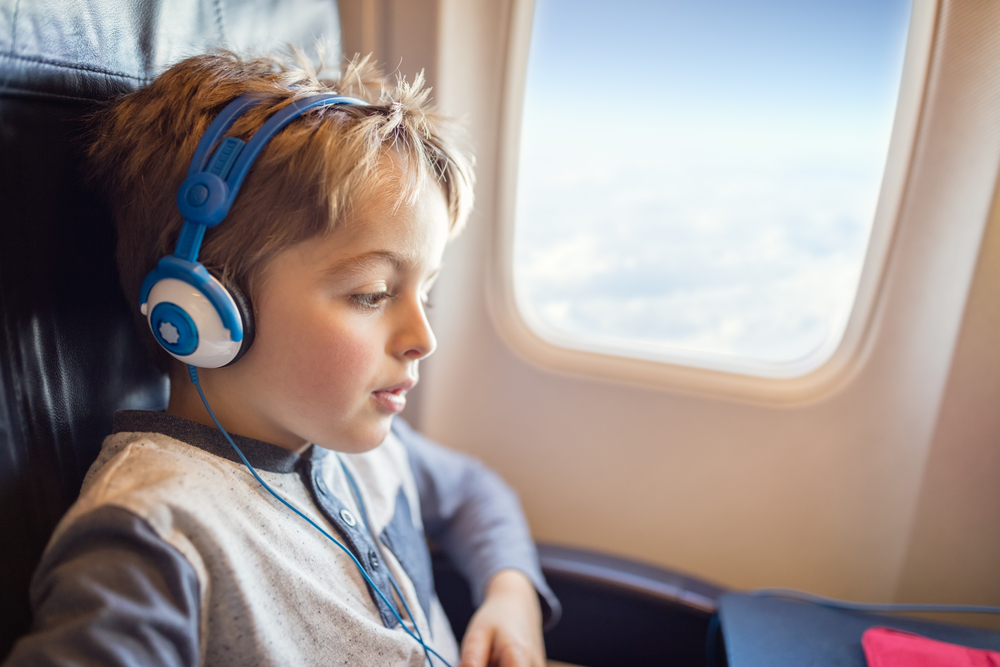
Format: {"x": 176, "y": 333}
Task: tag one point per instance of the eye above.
{"x": 371, "y": 300}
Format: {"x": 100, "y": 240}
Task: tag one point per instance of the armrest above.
{"x": 615, "y": 611}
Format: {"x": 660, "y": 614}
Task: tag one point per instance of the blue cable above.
{"x": 792, "y": 594}
{"x": 419, "y": 639}
{"x": 392, "y": 580}
{"x": 395, "y": 586}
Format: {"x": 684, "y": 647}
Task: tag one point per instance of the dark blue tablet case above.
{"x": 773, "y": 632}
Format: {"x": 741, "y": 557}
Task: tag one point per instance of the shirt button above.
{"x": 319, "y": 484}
{"x": 348, "y": 518}
{"x": 373, "y": 559}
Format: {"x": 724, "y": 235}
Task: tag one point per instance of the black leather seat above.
{"x": 615, "y": 611}
{"x": 69, "y": 356}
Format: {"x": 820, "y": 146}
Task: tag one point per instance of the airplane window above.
{"x": 697, "y": 180}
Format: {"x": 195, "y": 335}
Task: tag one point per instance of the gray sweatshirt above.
{"x": 175, "y": 555}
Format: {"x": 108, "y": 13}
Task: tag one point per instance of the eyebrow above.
{"x": 364, "y": 261}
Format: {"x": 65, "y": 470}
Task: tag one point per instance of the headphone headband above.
{"x": 191, "y": 314}
{"x": 219, "y": 165}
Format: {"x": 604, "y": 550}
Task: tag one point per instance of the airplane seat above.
{"x": 69, "y": 352}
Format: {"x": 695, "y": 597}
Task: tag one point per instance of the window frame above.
{"x": 706, "y": 374}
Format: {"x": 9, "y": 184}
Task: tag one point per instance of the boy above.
{"x": 174, "y": 553}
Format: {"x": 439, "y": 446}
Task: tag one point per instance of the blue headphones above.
{"x": 193, "y": 316}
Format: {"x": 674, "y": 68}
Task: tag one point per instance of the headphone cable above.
{"x": 193, "y": 372}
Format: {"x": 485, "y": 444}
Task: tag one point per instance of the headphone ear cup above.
{"x": 187, "y": 311}
{"x": 245, "y": 309}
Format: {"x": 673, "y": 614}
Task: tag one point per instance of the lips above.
{"x": 393, "y": 399}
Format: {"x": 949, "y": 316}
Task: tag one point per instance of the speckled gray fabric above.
{"x": 273, "y": 590}
{"x": 171, "y": 528}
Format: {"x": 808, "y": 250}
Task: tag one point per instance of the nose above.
{"x": 414, "y": 338}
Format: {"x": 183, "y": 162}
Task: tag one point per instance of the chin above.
{"x": 359, "y": 441}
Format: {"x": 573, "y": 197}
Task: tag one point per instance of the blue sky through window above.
{"x": 703, "y": 176}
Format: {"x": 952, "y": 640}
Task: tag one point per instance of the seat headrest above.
{"x": 94, "y": 49}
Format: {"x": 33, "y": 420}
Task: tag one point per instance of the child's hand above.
{"x": 506, "y": 630}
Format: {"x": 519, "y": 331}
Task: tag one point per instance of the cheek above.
{"x": 315, "y": 356}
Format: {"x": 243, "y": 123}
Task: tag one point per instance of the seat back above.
{"x": 69, "y": 355}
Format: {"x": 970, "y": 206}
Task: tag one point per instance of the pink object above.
{"x": 886, "y": 647}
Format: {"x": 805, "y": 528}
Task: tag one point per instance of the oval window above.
{"x": 697, "y": 180}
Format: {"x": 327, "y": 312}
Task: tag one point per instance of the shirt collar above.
{"x": 261, "y": 455}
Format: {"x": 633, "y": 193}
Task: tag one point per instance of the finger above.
{"x": 476, "y": 647}
{"x": 516, "y": 656}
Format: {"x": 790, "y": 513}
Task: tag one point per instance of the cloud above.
{"x": 728, "y": 254}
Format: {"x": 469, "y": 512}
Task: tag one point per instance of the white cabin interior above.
{"x": 875, "y": 480}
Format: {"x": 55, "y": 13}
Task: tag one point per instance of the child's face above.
{"x": 341, "y": 328}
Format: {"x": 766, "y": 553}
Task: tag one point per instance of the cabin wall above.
{"x": 955, "y": 545}
{"x": 401, "y": 35}
{"x": 883, "y": 489}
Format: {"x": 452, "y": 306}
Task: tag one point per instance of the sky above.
{"x": 700, "y": 178}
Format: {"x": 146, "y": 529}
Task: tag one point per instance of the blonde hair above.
{"x": 304, "y": 183}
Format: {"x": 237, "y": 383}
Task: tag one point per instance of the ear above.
{"x": 245, "y": 309}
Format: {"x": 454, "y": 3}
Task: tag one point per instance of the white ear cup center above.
{"x": 216, "y": 347}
